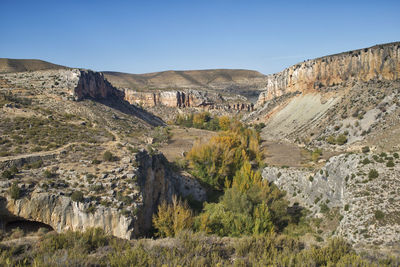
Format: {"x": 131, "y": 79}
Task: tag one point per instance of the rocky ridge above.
{"x": 380, "y": 62}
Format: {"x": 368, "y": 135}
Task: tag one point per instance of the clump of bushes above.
{"x": 10, "y": 173}
{"x": 339, "y": 140}
{"x": 203, "y": 120}
{"x": 316, "y": 154}
{"x": 379, "y": 215}
{"x": 108, "y": 156}
{"x": 48, "y": 174}
{"x": 77, "y": 196}
{"x": 365, "y": 149}
{"x": 390, "y": 163}
{"x": 15, "y": 191}
{"x": 373, "y": 174}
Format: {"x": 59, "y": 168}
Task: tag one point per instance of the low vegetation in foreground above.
{"x": 94, "y": 248}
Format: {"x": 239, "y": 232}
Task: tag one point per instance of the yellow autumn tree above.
{"x": 172, "y": 218}
{"x": 218, "y": 160}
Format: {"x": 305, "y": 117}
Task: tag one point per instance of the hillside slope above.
{"x": 231, "y": 81}
{"x": 355, "y": 94}
{"x": 19, "y": 65}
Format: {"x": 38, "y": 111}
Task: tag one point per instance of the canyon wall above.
{"x": 155, "y": 181}
{"x": 179, "y": 99}
{"x": 186, "y": 99}
{"x": 381, "y": 62}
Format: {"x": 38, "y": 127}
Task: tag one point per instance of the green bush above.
{"x": 7, "y": 174}
{"x": 366, "y": 161}
{"x": 390, "y": 163}
{"x": 379, "y": 215}
{"x": 48, "y": 174}
{"x": 341, "y": 139}
{"x": 365, "y": 149}
{"x": 15, "y": 191}
{"x": 373, "y": 174}
{"x": 77, "y": 196}
{"x": 331, "y": 140}
{"x": 396, "y": 155}
{"x": 108, "y": 156}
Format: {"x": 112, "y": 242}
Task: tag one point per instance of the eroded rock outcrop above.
{"x": 154, "y": 183}
{"x": 381, "y": 62}
{"x": 187, "y": 99}
{"x": 178, "y": 99}
{"x": 345, "y": 184}
{"x": 92, "y": 84}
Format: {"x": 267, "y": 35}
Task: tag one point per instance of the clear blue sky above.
{"x": 147, "y": 36}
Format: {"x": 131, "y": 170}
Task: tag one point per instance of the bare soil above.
{"x": 183, "y": 140}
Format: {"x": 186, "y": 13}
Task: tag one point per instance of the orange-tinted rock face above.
{"x": 380, "y": 62}
{"x": 183, "y": 99}
{"x": 167, "y": 98}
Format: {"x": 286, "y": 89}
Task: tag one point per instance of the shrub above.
{"x": 346, "y": 207}
{"x": 341, "y": 139}
{"x": 331, "y": 140}
{"x": 396, "y": 155}
{"x": 390, "y": 163}
{"x": 311, "y": 178}
{"x": 373, "y": 174}
{"x": 379, "y": 215}
{"x": 77, "y": 196}
{"x": 316, "y": 154}
{"x": 15, "y": 191}
{"x": 173, "y": 218}
{"x": 48, "y": 174}
{"x": 365, "y": 149}
{"x": 108, "y": 156}
{"x": 17, "y": 233}
{"x": 324, "y": 208}
{"x": 7, "y": 174}
{"x": 366, "y": 161}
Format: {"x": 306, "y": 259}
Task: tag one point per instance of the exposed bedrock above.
{"x": 156, "y": 181}
{"x": 381, "y": 62}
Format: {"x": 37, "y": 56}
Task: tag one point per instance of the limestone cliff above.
{"x": 381, "y": 62}
{"x": 92, "y": 84}
{"x": 154, "y": 183}
{"x": 342, "y": 184}
{"x": 174, "y": 98}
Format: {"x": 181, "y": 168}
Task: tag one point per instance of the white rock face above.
{"x": 63, "y": 214}
{"x": 344, "y": 183}
{"x": 152, "y": 182}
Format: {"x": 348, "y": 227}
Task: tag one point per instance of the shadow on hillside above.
{"x": 125, "y": 107}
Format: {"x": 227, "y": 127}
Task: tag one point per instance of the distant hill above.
{"x": 235, "y": 81}
{"x": 19, "y": 65}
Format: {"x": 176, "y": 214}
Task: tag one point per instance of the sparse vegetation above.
{"x": 373, "y": 174}
{"x": 365, "y": 149}
{"x": 15, "y": 191}
{"x": 77, "y": 196}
